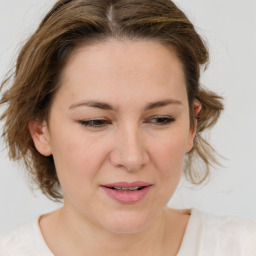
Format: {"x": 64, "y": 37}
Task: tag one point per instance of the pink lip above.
{"x": 124, "y": 184}
{"x": 127, "y": 197}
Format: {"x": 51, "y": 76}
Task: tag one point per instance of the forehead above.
{"x": 125, "y": 68}
{"x": 125, "y": 55}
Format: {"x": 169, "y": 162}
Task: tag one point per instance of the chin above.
{"x": 128, "y": 223}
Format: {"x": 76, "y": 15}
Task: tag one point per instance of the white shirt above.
{"x": 208, "y": 235}
{"x": 205, "y": 235}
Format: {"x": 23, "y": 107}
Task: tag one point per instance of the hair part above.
{"x": 71, "y": 24}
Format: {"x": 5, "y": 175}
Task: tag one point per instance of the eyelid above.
{"x": 160, "y": 120}
{"x": 167, "y": 120}
{"x": 89, "y": 122}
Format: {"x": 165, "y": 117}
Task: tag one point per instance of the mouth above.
{"x": 127, "y": 193}
{"x": 132, "y": 189}
{"x": 127, "y": 186}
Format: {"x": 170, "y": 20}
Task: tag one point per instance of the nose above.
{"x": 129, "y": 151}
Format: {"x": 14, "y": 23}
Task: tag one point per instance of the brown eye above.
{"x": 161, "y": 120}
{"x": 95, "y": 123}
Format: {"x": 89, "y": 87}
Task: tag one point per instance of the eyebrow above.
{"x": 106, "y": 106}
{"x": 162, "y": 103}
{"x": 94, "y": 104}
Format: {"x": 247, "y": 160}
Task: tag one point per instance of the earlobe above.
{"x": 40, "y": 135}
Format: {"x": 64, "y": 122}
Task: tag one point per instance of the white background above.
{"x": 229, "y": 26}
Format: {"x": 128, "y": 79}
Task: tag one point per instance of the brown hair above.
{"x": 70, "y": 24}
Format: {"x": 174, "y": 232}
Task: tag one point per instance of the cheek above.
{"x": 169, "y": 158}
{"x": 169, "y": 153}
{"x": 77, "y": 160}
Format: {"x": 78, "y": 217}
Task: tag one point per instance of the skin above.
{"x": 130, "y": 143}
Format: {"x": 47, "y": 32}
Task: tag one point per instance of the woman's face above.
{"x": 118, "y": 131}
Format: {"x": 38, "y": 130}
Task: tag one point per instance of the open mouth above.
{"x": 120, "y": 189}
{"x": 127, "y": 193}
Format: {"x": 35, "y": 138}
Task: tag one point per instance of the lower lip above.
{"x": 127, "y": 197}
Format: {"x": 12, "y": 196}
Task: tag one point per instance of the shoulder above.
{"x": 221, "y": 235}
{"x": 225, "y": 226}
{"x": 25, "y": 239}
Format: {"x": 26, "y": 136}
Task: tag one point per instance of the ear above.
{"x": 196, "y": 109}
{"x": 40, "y": 135}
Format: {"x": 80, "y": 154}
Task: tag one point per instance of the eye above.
{"x": 160, "y": 120}
{"x": 95, "y": 123}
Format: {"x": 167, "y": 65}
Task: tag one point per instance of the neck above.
{"x": 84, "y": 237}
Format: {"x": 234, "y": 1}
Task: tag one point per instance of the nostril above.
{"x": 129, "y": 153}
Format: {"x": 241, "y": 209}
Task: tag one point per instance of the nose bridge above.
{"x": 129, "y": 151}
{"x": 132, "y": 142}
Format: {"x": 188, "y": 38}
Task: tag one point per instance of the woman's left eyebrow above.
{"x": 162, "y": 103}
{"x": 106, "y": 106}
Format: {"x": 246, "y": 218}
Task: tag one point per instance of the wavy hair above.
{"x": 70, "y": 24}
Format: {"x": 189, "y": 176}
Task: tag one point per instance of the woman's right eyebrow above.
{"x": 95, "y": 104}
{"x": 107, "y": 106}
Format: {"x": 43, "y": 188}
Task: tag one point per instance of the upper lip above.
{"x": 124, "y": 184}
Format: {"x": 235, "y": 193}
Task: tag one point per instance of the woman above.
{"x": 104, "y": 109}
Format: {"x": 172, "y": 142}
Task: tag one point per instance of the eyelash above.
{"x": 92, "y": 123}
{"x": 165, "y": 120}
{"x": 100, "y": 123}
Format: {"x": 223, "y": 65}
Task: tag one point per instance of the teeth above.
{"x": 126, "y": 189}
